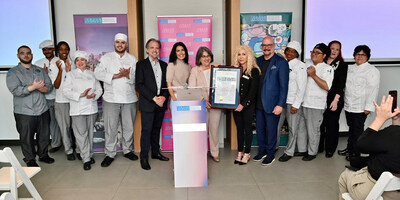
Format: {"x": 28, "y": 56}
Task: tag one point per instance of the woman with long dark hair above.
{"x": 178, "y": 69}
{"x": 335, "y": 101}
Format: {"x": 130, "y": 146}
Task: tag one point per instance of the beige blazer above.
{"x": 197, "y": 78}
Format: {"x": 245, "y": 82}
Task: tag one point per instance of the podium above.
{"x": 189, "y": 124}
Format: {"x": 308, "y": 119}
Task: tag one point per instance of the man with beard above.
{"x": 150, "y": 79}
{"x": 29, "y": 83}
{"x": 50, "y": 66}
{"x": 271, "y": 99}
{"x": 117, "y": 71}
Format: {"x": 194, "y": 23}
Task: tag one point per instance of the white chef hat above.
{"x": 81, "y": 54}
{"x": 121, "y": 36}
{"x": 295, "y": 45}
{"x": 46, "y": 44}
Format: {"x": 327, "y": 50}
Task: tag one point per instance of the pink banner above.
{"x": 194, "y": 32}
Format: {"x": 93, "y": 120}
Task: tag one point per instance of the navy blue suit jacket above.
{"x": 274, "y": 88}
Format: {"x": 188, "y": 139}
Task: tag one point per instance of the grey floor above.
{"x": 124, "y": 179}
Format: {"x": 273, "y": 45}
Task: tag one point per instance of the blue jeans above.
{"x": 266, "y": 125}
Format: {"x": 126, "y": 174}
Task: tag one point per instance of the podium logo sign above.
{"x": 188, "y": 108}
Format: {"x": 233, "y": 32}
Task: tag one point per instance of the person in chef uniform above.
{"x": 82, "y": 89}
{"x": 117, "y": 71}
{"x": 319, "y": 81}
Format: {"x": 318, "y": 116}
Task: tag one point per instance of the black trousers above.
{"x": 244, "y": 120}
{"x": 355, "y": 121}
{"x": 330, "y": 129}
{"x": 27, "y": 126}
{"x": 151, "y": 126}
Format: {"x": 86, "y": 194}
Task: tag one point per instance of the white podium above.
{"x": 190, "y": 143}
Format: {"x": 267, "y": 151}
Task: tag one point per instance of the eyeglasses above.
{"x": 361, "y": 55}
{"x": 267, "y": 45}
{"x": 206, "y": 56}
{"x": 316, "y": 52}
{"x": 25, "y": 53}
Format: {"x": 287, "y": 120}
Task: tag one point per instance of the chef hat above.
{"x": 46, "y": 44}
{"x": 121, "y": 36}
{"x": 81, "y": 54}
{"x": 325, "y": 49}
{"x": 294, "y": 45}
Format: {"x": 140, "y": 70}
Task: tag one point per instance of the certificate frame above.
{"x": 224, "y": 87}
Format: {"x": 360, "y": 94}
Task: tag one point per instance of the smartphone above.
{"x": 393, "y": 93}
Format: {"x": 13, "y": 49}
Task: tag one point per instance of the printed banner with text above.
{"x": 194, "y": 32}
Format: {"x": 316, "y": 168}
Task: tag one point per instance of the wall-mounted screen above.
{"x": 23, "y": 22}
{"x": 354, "y": 22}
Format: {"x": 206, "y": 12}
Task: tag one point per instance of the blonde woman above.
{"x": 244, "y": 113}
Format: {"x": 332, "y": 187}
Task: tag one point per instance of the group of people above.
{"x": 273, "y": 87}
{"x": 59, "y": 96}
{"x": 318, "y": 91}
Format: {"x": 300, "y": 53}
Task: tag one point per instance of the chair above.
{"x": 6, "y": 196}
{"x": 386, "y": 182}
{"x": 11, "y": 178}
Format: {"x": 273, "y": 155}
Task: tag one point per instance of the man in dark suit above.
{"x": 150, "y": 79}
{"x": 271, "y": 99}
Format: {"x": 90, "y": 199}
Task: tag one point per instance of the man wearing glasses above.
{"x": 319, "y": 81}
{"x": 271, "y": 99}
{"x": 28, "y": 84}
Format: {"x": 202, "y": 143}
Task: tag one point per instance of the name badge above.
{"x": 246, "y": 77}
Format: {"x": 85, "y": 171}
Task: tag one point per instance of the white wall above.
{"x": 7, "y": 121}
{"x": 262, "y": 6}
{"x": 65, "y": 10}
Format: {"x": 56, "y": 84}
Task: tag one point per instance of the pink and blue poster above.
{"x": 194, "y": 32}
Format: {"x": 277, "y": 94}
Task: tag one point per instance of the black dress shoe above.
{"x": 343, "y": 152}
{"x": 46, "y": 159}
{"x": 350, "y": 156}
{"x": 145, "y": 164}
{"x": 300, "y": 154}
{"x": 78, "y": 155}
{"x": 285, "y": 158}
{"x": 92, "y": 161}
{"x": 55, "y": 149}
{"x": 159, "y": 156}
{"x": 131, "y": 156}
{"x": 70, "y": 156}
{"x": 107, "y": 161}
{"x": 86, "y": 166}
{"x": 32, "y": 163}
{"x": 308, "y": 157}
{"x": 328, "y": 154}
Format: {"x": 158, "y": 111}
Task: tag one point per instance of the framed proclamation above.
{"x": 224, "y": 87}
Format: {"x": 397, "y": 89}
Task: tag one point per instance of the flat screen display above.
{"x": 23, "y": 22}
{"x": 354, "y": 22}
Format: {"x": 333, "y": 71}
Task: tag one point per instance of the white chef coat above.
{"x": 315, "y": 97}
{"x": 297, "y": 82}
{"x": 362, "y": 86}
{"x": 53, "y": 71}
{"x": 120, "y": 90}
{"x": 75, "y": 84}
{"x": 60, "y": 97}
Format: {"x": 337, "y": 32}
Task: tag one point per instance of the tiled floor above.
{"x": 124, "y": 179}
